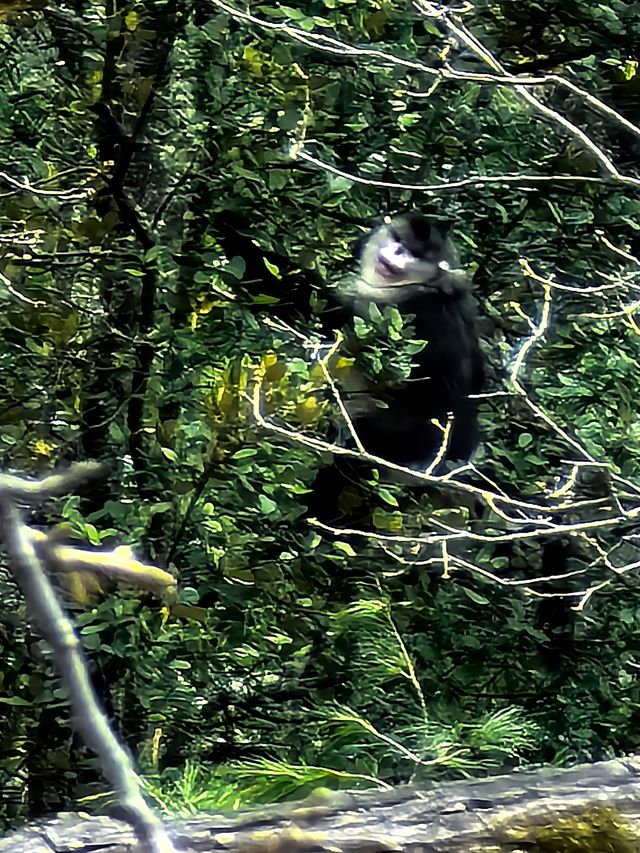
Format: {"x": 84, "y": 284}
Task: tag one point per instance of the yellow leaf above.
{"x": 43, "y": 448}
{"x": 309, "y": 410}
{"x": 190, "y": 611}
{"x": 343, "y": 363}
{"x": 274, "y": 369}
{"x": 83, "y": 587}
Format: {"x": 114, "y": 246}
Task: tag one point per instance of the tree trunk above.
{"x": 591, "y": 808}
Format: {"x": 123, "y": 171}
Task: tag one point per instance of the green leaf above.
{"x": 236, "y": 267}
{"x": 475, "y": 596}
{"x": 245, "y": 453}
{"x": 345, "y": 547}
{"x": 273, "y": 269}
{"x": 267, "y": 505}
{"x": 388, "y": 497}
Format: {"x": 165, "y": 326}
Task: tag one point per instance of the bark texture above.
{"x": 594, "y": 808}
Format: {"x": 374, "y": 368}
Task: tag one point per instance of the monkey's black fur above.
{"x": 407, "y": 264}
{"x": 445, "y": 372}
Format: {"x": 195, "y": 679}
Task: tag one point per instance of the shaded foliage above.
{"x": 163, "y": 221}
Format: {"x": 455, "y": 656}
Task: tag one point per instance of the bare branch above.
{"x": 88, "y": 719}
{"x": 119, "y": 564}
{"x": 329, "y": 44}
{"x": 25, "y": 185}
{"x": 446, "y": 186}
{"x": 58, "y": 483}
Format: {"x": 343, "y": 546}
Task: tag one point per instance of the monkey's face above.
{"x": 405, "y": 251}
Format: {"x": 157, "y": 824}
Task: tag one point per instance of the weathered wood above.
{"x": 502, "y": 814}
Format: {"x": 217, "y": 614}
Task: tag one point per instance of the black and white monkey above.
{"x": 408, "y": 263}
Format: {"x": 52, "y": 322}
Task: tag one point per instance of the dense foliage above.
{"x": 181, "y": 181}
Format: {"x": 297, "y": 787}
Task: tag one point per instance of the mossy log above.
{"x": 593, "y": 808}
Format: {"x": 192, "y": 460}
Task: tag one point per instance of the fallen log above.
{"x": 593, "y": 807}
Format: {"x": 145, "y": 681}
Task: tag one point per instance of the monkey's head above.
{"x": 405, "y": 252}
